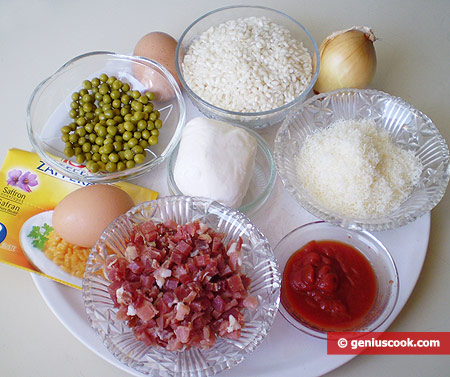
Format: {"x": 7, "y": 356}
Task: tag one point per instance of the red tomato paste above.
{"x": 329, "y": 285}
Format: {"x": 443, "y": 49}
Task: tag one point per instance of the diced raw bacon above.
{"x": 202, "y": 260}
{"x": 171, "y": 224}
{"x": 218, "y": 304}
{"x": 146, "y": 311}
{"x": 147, "y": 281}
{"x": 182, "y": 333}
{"x": 178, "y": 286}
{"x": 183, "y": 248}
{"x": 131, "y": 253}
{"x": 235, "y": 283}
{"x": 136, "y": 266}
{"x": 171, "y": 284}
{"x": 182, "y": 311}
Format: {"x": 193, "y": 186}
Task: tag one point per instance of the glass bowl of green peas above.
{"x": 99, "y": 117}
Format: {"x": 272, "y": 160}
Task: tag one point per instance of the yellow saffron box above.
{"x": 29, "y": 192}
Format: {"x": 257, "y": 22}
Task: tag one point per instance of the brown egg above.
{"x": 81, "y": 216}
{"x": 160, "y": 47}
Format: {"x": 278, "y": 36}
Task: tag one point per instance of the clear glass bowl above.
{"x": 255, "y": 120}
{"x": 261, "y": 184}
{"x": 49, "y": 106}
{"x": 375, "y": 252}
{"x": 410, "y": 129}
{"x": 258, "y": 263}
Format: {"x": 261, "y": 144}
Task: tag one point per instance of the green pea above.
{"x": 121, "y": 155}
{"x": 73, "y": 114}
{"x": 74, "y": 105}
{"x": 77, "y": 150}
{"x": 143, "y": 100}
{"x": 153, "y": 140}
{"x": 87, "y": 156}
{"x": 137, "y": 106}
{"x": 88, "y": 107}
{"x": 87, "y": 98}
{"x": 89, "y": 127}
{"x": 81, "y": 131}
{"x": 148, "y": 108}
{"x": 125, "y": 99}
{"x": 83, "y": 92}
{"x": 104, "y": 89}
{"x": 143, "y": 143}
{"x": 75, "y": 96}
{"x": 158, "y": 123}
{"x": 111, "y": 80}
{"x": 95, "y": 148}
{"x": 104, "y": 158}
{"x": 107, "y": 98}
{"x": 137, "y": 149}
{"x": 139, "y": 158}
{"x": 150, "y": 95}
{"x": 116, "y": 104}
{"x": 65, "y": 129}
{"x": 99, "y": 140}
{"x": 138, "y": 115}
{"x": 95, "y": 82}
{"x": 125, "y": 87}
{"x": 113, "y": 157}
{"x": 154, "y": 132}
{"x": 96, "y": 157}
{"x": 73, "y": 138}
{"x": 111, "y": 167}
{"x": 150, "y": 125}
{"x": 86, "y": 147}
{"x": 129, "y": 155}
{"x": 130, "y": 164}
{"x": 98, "y": 96}
{"x": 80, "y": 158}
{"x": 129, "y": 126}
{"x": 127, "y": 135}
{"x": 87, "y": 84}
{"x": 68, "y": 152}
{"x": 121, "y": 166}
{"x": 101, "y": 165}
{"x": 103, "y": 77}
{"x": 132, "y": 142}
{"x": 81, "y": 121}
{"x": 135, "y": 94}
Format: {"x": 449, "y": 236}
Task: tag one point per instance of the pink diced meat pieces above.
{"x": 178, "y": 286}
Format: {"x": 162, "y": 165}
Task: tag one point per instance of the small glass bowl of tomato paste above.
{"x": 335, "y": 279}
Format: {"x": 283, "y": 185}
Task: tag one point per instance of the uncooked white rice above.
{"x": 247, "y": 65}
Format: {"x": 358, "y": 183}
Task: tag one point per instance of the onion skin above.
{"x": 347, "y": 60}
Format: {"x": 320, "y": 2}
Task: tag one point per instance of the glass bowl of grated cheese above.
{"x": 247, "y": 64}
{"x": 362, "y": 159}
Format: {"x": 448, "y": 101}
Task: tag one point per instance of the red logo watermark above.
{"x": 388, "y": 343}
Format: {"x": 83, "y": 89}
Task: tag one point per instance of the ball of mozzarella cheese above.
{"x": 215, "y": 160}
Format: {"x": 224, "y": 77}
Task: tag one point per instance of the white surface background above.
{"x": 37, "y": 37}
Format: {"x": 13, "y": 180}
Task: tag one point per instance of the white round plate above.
{"x": 286, "y": 351}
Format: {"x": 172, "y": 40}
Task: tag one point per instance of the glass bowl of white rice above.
{"x": 247, "y": 64}
{"x": 362, "y": 159}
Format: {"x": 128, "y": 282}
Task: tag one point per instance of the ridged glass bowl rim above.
{"x": 348, "y": 222}
{"x": 127, "y": 174}
{"x": 362, "y": 235}
{"x": 255, "y": 204}
{"x": 226, "y": 214}
{"x": 246, "y": 114}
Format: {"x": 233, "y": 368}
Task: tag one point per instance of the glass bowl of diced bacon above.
{"x": 181, "y": 286}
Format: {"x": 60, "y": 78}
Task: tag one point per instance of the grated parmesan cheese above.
{"x": 355, "y": 169}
